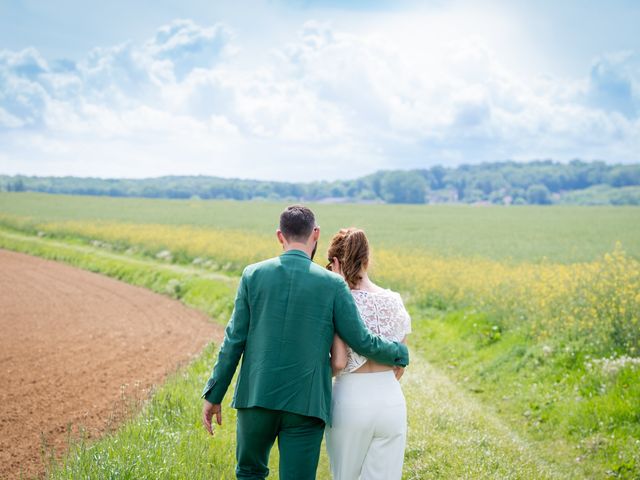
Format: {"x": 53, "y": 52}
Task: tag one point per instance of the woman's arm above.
{"x": 338, "y": 355}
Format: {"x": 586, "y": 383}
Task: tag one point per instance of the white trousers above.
{"x": 368, "y": 434}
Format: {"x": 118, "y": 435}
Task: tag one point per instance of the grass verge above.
{"x": 582, "y": 413}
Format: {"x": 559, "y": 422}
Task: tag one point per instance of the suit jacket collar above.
{"x": 296, "y": 252}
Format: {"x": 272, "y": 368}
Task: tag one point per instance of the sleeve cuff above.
{"x": 209, "y": 393}
{"x": 402, "y": 359}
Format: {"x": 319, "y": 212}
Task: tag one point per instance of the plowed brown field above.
{"x": 74, "y": 346}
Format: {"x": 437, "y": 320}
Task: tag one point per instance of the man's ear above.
{"x": 281, "y": 238}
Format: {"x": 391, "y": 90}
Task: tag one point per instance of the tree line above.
{"x": 509, "y": 182}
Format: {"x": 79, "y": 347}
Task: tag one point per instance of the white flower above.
{"x": 611, "y": 366}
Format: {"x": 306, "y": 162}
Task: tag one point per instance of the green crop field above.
{"x": 559, "y": 233}
{"x": 525, "y": 343}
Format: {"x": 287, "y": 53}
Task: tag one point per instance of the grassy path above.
{"x": 451, "y": 434}
{"x": 106, "y": 254}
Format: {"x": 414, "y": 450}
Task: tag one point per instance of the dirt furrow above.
{"x": 72, "y": 344}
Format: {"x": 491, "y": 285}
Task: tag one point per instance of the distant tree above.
{"x": 488, "y": 182}
{"x": 437, "y": 175}
{"x": 497, "y": 197}
{"x": 472, "y": 195}
{"x": 577, "y": 175}
{"x": 538, "y": 194}
{"x": 518, "y": 196}
{"x": 366, "y": 195}
{"x": 16, "y": 186}
{"x": 404, "y": 187}
{"x": 317, "y": 191}
{"x": 263, "y": 190}
{"x": 376, "y": 185}
{"x": 337, "y": 190}
{"x": 624, "y": 176}
{"x": 626, "y": 196}
{"x": 151, "y": 192}
{"x": 516, "y": 177}
{"x": 466, "y": 183}
{"x": 597, "y": 173}
{"x": 459, "y": 181}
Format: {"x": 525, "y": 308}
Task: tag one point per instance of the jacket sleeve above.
{"x": 352, "y": 330}
{"x": 235, "y": 337}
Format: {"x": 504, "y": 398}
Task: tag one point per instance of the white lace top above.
{"x": 383, "y": 313}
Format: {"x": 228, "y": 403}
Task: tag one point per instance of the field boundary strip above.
{"x": 180, "y": 269}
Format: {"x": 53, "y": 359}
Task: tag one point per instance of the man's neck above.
{"x": 299, "y": 246}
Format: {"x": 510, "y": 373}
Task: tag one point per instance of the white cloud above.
{"x": 614, "y": 83}
{"x": 8, "y": 120}
{"x": 188, "y": 46}
{"x": 332, "y": 103}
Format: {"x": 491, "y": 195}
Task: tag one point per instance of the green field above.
{"x": 525, "y": 343}
{"x": 560, "y": 233}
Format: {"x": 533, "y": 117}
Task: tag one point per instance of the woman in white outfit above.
{"x": 367, "y": 436}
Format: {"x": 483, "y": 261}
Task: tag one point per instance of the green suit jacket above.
{"x": 286, "y": 312}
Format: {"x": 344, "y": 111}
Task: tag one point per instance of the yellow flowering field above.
{"x": 597, "y": 301}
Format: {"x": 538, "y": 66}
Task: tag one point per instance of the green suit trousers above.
{"x": 299, "y": 440}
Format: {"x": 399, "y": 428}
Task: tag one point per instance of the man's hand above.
{"x": 208, "y": 409}
{"x": 398, "y": 372}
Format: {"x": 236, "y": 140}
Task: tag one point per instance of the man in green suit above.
{"x": 286, "y": 312}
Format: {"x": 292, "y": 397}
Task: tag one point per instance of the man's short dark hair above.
{"x": 296, "y": 223}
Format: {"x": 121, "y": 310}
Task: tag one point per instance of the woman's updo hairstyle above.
{"x": 351, "y": 247}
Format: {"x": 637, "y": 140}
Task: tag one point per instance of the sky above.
{"x": 313, "y": 90}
